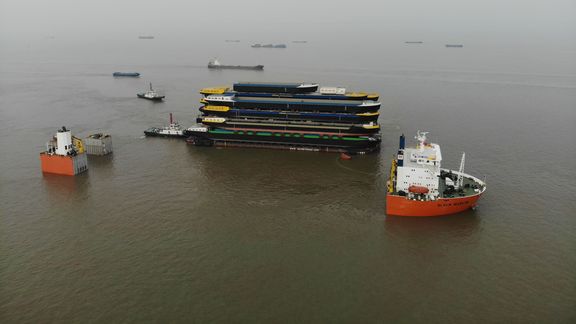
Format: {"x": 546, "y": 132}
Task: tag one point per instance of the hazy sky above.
{"x": 305, "y": 18}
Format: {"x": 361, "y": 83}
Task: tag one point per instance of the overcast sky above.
{"x": 238, "y": 18}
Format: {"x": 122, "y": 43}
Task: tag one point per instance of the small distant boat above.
{"x": 300, "y": 41}
{"x": 145, "y": 37}
{"x": 232, "y": 41}
{"x": 344, "y": 156}
{"x": 126, "y": 74}
{"x": 150, "y": 95}
{"x": 455, "y": 45}
{"x": 413, "y": 42}
{"x": 173, "y": 130}
{"x": 268, "y": 46}
{"x": 215, "y": 64}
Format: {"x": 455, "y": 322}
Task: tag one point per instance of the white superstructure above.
{"x": 332, "y": 90}
{"x": 64, "y": 142}
{"x": 220, "y": 98}
{"x": 419, "y": 167}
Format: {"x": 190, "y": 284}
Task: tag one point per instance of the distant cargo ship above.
{"x": 418, "y": 186}
{"x": 413, "y": 42}
{"x": 215, "y": 64}
{"x": 268, "y": 46}
{"x": 126, "y": 74}
{"x": 145, "y": 37}
{"x": 300, "y": 41}
{"x": 454, "y": 45}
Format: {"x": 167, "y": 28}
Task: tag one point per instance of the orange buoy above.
{"x": 344, "y": 156}
{"x": 418, "y": 189}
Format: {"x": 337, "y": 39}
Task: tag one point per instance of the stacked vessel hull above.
{"x": 282, "y": 140}
{"x": 287, "y": 116}
{"x": 291, "y": 115}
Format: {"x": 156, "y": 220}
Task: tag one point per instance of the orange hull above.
{"x": 64, "y": 165}
{"x": 400, "y": 206}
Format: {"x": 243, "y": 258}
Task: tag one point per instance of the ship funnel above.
{"x": 400, "y": 156}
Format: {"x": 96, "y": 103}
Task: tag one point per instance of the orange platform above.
{"x": 64, "y": 165}
{"x": 400, "y": 206}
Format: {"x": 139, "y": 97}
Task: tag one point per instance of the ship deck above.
{"x": 342, "y": 102}
{"x": 469, "y": 186}
{"x": 469, "y": 183}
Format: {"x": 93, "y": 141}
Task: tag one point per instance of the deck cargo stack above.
{"x": 295, "y": 116}
{"x": 98, "y": 144}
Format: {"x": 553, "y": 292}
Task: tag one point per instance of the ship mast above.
{"x": 421, "y": 137}
{"x": 460, "y": 180}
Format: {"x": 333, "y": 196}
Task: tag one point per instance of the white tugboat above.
{"x": 172, "y": 130}
{"x": 151, "y": 95}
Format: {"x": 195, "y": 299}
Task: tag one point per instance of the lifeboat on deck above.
{"x": 418, "y": 189}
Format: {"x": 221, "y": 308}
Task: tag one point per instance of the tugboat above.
{"x": 173, "y": 130}
{"x": 150, "y": 95}
{"x": 215, "y": 64}
{"x": 418, "y": 186}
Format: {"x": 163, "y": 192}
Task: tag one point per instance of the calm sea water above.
{"x": 164, "y": 232}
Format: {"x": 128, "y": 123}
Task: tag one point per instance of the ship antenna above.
{"x": 170, "y": 118}
{"x": 421, "y": 137}
{"x": 151, "y": 86}
{"x": 460, "y": 180}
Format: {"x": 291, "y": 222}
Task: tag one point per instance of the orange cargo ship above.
{"x": 418, "y": 186}
{"x": 64, "y": 155}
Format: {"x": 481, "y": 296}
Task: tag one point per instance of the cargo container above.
{"x": 98, "y": 144}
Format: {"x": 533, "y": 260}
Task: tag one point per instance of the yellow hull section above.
{"x": 217, "y": 108}
{"x": 214, "y": 90}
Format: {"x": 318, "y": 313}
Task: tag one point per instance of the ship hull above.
{"x": 236, "y": 67}
{"x": 290, "y": 141}
{"x": 288, "y": 115}
{"x": 300, "y": 96}
{"x": 160, "y": 98}
{"x": 275, "y": 88}
{"x": 64, "y": 165}
{"x": 345, "y": 129}
{"x": 297, "y": 106}
{"x": 158, "y": 134}
{"x": 400, "y": 206}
